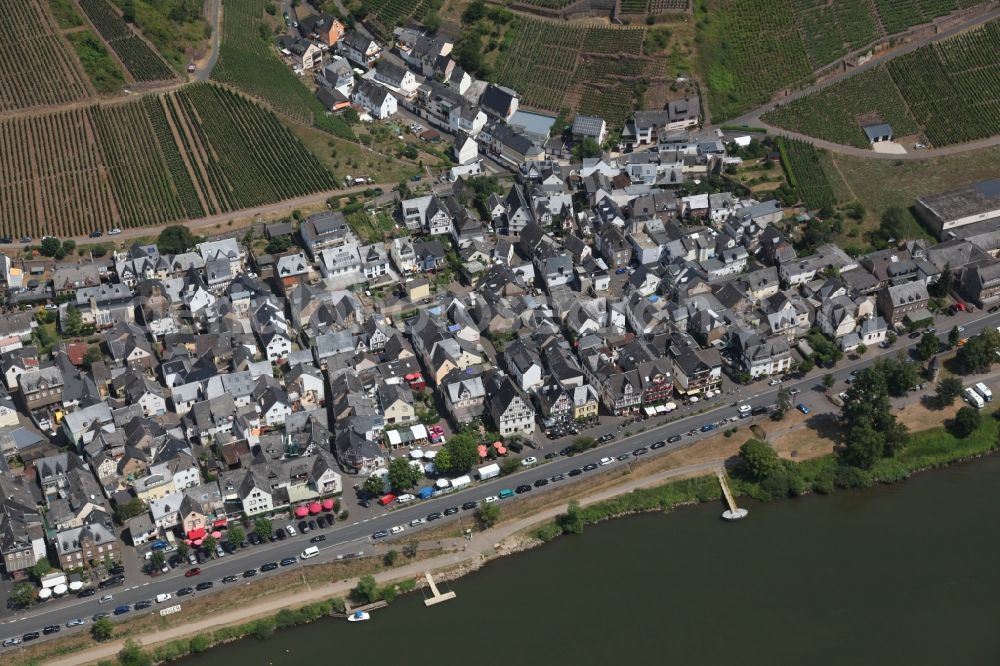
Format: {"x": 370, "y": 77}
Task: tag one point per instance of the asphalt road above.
{"x": 357, "y": 538}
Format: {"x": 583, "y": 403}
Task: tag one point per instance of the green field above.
{"x": 199, "y": 151}
{"x": 102, "y": 70}
{"x": 37, "y": 66}
{"x": 947, "y": 93}
{"x": 751, "y": 50}
{"x": 384, "y": 15}
{"x": 248, "y": 61}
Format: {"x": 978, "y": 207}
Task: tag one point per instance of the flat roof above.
{"x": 973, "y": 199}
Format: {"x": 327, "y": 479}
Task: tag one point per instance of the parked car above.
{"x": 291, "y": 530}
{"x": 143, "y": 605}
{"x": 121, "y": 610}
{"x": 206, "y": 585}
{"x": 802, "y": 408}
{"x": 523, "y": 488}
{"x": 433, "y": 516}
{"x": 318, "y": 538}
{"x": 530, "y": 460}
{"x": 30, "y": 636}
{"x": 249, "y": 573}
{"x": 451, "y": 511}
{"x": 270, "y": 566}
{"x": 469, "y": 506}
{"x": 230, "y": 579}
{"x": 76, "y": 622}
{"x": 184, "y": 591}
{"x": 381, "y": 534}
{"x": 52, "y": 629}
{"x": 541, "y": 482}
{"x": 89, "y": 592}
{"x": 289, "y": 561}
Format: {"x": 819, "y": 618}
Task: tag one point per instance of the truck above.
{"x": 984, "y": 391}
{"x": 974, "y": 398}
{"x": 425, "y": 492}
{"x": 488, "y": 472}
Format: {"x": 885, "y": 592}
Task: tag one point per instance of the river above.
{"x": 898, "y": 574}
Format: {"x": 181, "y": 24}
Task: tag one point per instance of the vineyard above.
{"x": 248, "y": 62}
{"x": 384, "y": 15}
{"x": 195, "y": 152}
{"x": 590, "y": 70}
{"x": 947, "y": 92}
{"x": 752, "y": 49}
{"x": 804, "y": 169}
{"x": 142, "y": 63}
{"x": 37, "y": 66}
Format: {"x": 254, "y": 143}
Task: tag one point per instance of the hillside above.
{"x": 944, "y": 93}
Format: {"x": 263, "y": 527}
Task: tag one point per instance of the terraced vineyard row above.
{"x": 54, "y": 180}
{"x": 248, "y": 62}
{"x": 390, "y": 13}
{"x": 555, "y": 66}
{"x": 37, "y": 66}
{"x": 805, "y": 173}
{"x": 753, "y": 49}
{"x": 141, "y": 61}
{"x": 130, "y": 165}
{"x": 837, "y": 112}
{"x": 948, "y": 92}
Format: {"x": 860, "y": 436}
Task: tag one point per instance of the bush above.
{"x": 200, "y": 643}
{"x": 849, "y": 477}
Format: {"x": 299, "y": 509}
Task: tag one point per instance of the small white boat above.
{"x": 358, "y": 616}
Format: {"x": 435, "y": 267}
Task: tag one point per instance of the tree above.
{"x": 891, "y": 338}
{"x": 828, "y": 380}
{"x": 50, "y": 246}
{"x": 102, "y": 629}
{"x": 130, "y": 509}
{"x": 132, "y": 654}
{"x": 509, "y": 465}
{"x": 41, "y": 568}
{"x": 93, "y": 355}
{"x": 586, "y": 148}
{"x": 861, "y": 349}
{"x": 278, "y": 244}
{"x": 22, "y": 595}
{"x": 967, "y": 421}
{"x": 262, "y": 527}
{"x": 872, "y": 431}
{"x": 947, "y": 390}
{"x": 403, "y": 475}
{"x": 175, "y": 239}
{"x": 474, "y": 12}
{"x": 954, "y": 335}
{"x": 927, "y": 346}
{"x": 74, "y": 321}
{"x": 236, "y": 535}
{"x": 784, "y": 403}
{"x": 182, "y": 549}
{"x": 366, "y": 590}
{"x": 759, "y": 459}
{"x": 894, "y": 224}
{"x": 487, "y": 515}
{"x": 942, "y": 287}
{"x": 458, "y": 455}
{"x": 209, "y": 543}
{"x": 374, "y": 485}
{"x": 157, "y": 560}
{"x": 391, "y": 558}
{"x": 571, "y": 522}
{"x": 979, "y": 353}
{"x": 900, "y": 375}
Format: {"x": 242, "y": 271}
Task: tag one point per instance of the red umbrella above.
{"x": 482, "y": 450}
{"x": 327, "y": 504}
{"x": 501, "y": 451}
{"x": 216, "y": 535}
{"x": 301, "y": 512}
{"x": 197, "y": 542}
{"x": 315, "y": 508}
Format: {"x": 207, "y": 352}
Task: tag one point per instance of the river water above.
{"x": 902, "y": 574}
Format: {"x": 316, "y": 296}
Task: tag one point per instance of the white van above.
{"x": 974, "y": 399}
{"x": 744, "y": 410}
{"x": 161, "y": 598}
{"x": 311, "y": 551}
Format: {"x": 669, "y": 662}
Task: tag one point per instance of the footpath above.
{"x": 479, "y": 549}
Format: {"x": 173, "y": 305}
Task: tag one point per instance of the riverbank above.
{"x": 635, "y": 492}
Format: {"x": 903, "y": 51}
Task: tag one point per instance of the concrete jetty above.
{"x": 436, "y": 596}
{"x": 733, "y": 512}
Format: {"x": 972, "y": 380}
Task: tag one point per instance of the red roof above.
{"x": 197, "y": 534}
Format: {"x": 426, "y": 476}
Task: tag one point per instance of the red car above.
{"x": 192, "y": 572}
{"x": 387, "y": 499}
